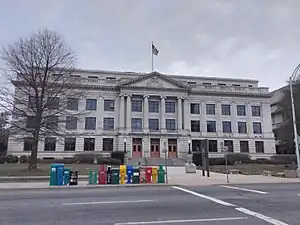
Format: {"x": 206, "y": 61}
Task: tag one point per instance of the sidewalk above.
{"x": 176, "y": 176}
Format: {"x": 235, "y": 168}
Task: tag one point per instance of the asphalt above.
{"x": 152, "y": 205}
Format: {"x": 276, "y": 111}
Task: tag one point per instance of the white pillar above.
{"x": 146, "y": 111}
{"x": 162, "y": 113}
{"x": 122, "y": 113}
{"x": 234, "y": 125}
{"x": 187, "y": 123}
{"x": 218, "y": 117}
{"x": 100, "y": 108}
{"x": 179, "y": 113}
{"x": 203, "y": 116}
{"x": 249, "y": 120}
{"x": 128, "y": 113}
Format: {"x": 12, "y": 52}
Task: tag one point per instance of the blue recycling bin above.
{"x": 53, "y": 175}
{"x": 129, "y": 170}
{"x": 60, "y": 174}
{"x": 66, "y": 176}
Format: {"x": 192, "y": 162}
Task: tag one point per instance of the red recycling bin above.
{"x": 102, "y": 175}
{"x": 148, "y": 174}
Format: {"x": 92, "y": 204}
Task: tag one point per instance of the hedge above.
{"x": 11, "y": 159}
{"x": 118, "y": 155}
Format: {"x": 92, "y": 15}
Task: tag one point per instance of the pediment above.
{"x": 154, "y": 80}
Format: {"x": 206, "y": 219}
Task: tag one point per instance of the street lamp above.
{"x": 189, "y": 152}
{"x": 291, "y": 80}
{"x": 125, "y": 153}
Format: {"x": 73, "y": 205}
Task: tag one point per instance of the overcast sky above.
{"x": 258, "y": 39}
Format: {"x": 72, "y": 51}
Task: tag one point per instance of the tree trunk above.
{"x": 33, "y": 156}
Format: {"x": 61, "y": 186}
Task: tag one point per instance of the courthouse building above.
{"x": 147, "y": 113}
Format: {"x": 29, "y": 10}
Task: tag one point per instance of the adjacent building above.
{"x": 149, "y": 114}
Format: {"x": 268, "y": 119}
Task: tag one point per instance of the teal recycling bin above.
{"x": 53, "y": 175}
{"x": 66, "y": 176}
{"x": 93, "y": 177}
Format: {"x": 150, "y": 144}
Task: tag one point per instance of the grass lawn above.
{"x": 43, "y": 169}
{"x": 252, "y": 169}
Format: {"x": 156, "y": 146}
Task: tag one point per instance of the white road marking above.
{"x": 245, "y": 189}
{"x": 106, "y": 202}
{"x": 240, "y": 209}
{"x": 204, "y": 196}
{"x": 182, "y": 221}
{"x": 299, "y": 195}
{"x": 262, "y": 217}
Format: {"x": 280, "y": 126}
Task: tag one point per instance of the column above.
{"x": 101, "y": 113}
{"x": 234, "y": 125}
{"x": 122, "y": 113}
{"x": 266, "y": 124}
{"x": 187, "y": 123}
{"x": 218, "y": 117}
{"x": 203, "y": 127}
{"x": 249, "y": 120}
{"x": 162, "y": 113}
{"x": 179, "y": 113}
{"x": 146, "y": 111}
{"x": 128, "y": 113}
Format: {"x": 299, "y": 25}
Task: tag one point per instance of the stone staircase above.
{"x": 156, "y": 161}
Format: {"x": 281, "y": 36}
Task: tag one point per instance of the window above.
{"x": 91, "y": 104}
{"x": 244, "y": 146}
{"x": 226, "y": 126}
{"x": 71, "y": 123}
{"x": 110, "y": 78}
{"x": 52, "y": 122}
{"x": 52, "y": 103}
{"x": 212, "y": 145}
{"x": 207, "y": 84}
{"x": 72, "y": 104}
{"x": 30, "y": 122}
{"x": 211, "y": 126}
{"x": 108, "y": 144}
{"x": 170, "y": 107}
{"x": 108, "y": 124}
{"x": 137, "y": 105}
{"x": 90, "y": 123}
{"x": 70, "y": 144}
{"x": 195, "y": 125}
{"x": 50, "y": 144}
{"x": 236, "y": 85}
{"x": 255, "y": 110}
{"x": 153, "y": 106}
{"x": 221, "y": 84}
{"x": 153, "y": 124}
{"x": 250, "y": 86}
{"x": 257, "y": 128}
{"x": 229, "y": 144}
{"x": 191, "y": 82}
{"x": 241, "y": 110}
{"x": 89, "y": 144}
{"x": 226, "y": 110}
{"x": 170, "y": 124}
{"x": 31, "y": 102}
{"x": 28, "y": 144}
{"x": 242, "y": 127}
{"x": 195, "y": 108}
{"x": 259, "y": 147}
{"x": 136, "y": 124}
{"x": 92, "y": 77}
{"x": 210, "y": 109}
{"x": 109, "y": 105}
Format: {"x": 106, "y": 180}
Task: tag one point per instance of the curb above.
{"x": 87, "y": 186}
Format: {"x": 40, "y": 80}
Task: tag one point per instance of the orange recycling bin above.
{"x": 142, "y": 175}
{"x": 122, "y": 174}
{"x": 154, "y": 174}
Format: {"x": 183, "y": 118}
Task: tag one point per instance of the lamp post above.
{"x": 166, "y": 165}
{"x": 125, "y": 153}
{"x": 189, "y": 152}
{"x": 291, "y": 80}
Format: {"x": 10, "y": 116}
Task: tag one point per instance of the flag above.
{"x": 154, "y": 50}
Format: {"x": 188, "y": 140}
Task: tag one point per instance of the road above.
{"x": 259, "y": 204}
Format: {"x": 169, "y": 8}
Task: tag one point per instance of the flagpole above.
{"x": 152, "y": 57}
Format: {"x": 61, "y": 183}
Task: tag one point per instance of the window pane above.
{"x": 91, "y": 104}
{"x": 136, "y": 124}
{"x": 211, "y": 126}
{"x": 226, "y": 110}
{"x": 195, "y": 108}
{"x": 52, "y": 103}
{"x": 259, "y": 147}
{"x": 255, "y": 110}
{"x": 153, "y": 124}
{"x": 226, "y": 126}
{"x": 108, "y": 124}
{"x": 195, "y": 125}
{"x": 52, "y": 122}
{"x": 242, "y": 127}
{"x": 229, "y": 145}
{"x": 70, "y": 144}
{"x": 28, "y": 144}
{"x": 170, "y": 124}
{"x": 72, "y": 104}
{"x": 170, "y": 107}
{"x": 210, "y": 109}
{"x": 213, "y": 146}
{"x": 109, "y": 105}
{"x": 71, "y": 123}
{"x": 153, "y": 106}
{"x": 30, "y": 122}
{"x": 137, "y": 105}
{"x": 90, "y": 123}
{"x": 89, "y": 144}
{"x": 241, "y": 110}
{"x": 50, "y": 144}
{"x": 257, "y": 128}
{"x": 108, "y": 144}
{"x": 244, "y": 146}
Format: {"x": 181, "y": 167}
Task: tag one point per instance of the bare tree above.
{"x": 42, "y": 88}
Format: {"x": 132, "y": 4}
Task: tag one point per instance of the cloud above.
{"x": 225, "y": 38}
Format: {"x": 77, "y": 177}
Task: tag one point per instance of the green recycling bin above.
{"x": 66, "y": 176}
{"x": 93, "y": 177}
{"x": 53, "y": 175}
{"x": 136, "y": 175}
{"x": 115, "y": 175}
{"x": 161, "y": 175}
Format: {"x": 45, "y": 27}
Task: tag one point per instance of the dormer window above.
{"x": 236, "y": 85}
{"x": 92, "y": 77}
{"x": 111, "y": 78}
{"x": 191, "y": 82}
{"x": 207, "y": 84}
{"x": 221, "y": 84}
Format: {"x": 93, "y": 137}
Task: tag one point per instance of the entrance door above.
{"x": 172, "y": 148}
{"x": 154, "y": 147}
{"x": 137, "y": 148}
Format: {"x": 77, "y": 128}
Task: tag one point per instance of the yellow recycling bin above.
{"x": 122, "y": 174}
{"x": 154, "y": 174}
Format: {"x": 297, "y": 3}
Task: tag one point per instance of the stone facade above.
{"x": 141, "y": 101}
